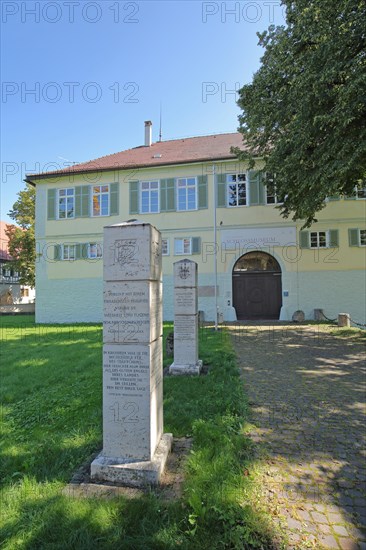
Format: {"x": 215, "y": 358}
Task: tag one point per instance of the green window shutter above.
{"x": 134, "y": 197}
{"x": 163, "y": 193}
{"x": 114, "y": 199}
{"x": 304, "y": 239}
{"x": 253, "y": 184}
{"x": 57, "y": 252}
{"x": 333, "y": 238}
{"x": 78, "y": 251}
{"x": 353, "y": 237}
{"x": 167, "y": 195}
{"x": 196, "y": 245}
{"x": 221, "y": 190}
{"x": 170, "y": 201}
{"x": 84, "y": 250}
{"x": 82, "y": 201}
{"x": 262, "y": 191}
{"x": 51, "y": 204}
{"x": 85, "y": 201}
{"x": 202, "y": 192}
{"x": 256, "y": 188}
{"x": 171, "y": 206}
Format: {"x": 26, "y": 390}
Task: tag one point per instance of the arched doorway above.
{"x": 257, "y": 286}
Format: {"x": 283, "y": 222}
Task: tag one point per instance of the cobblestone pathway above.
{"x": 306, "y": 389}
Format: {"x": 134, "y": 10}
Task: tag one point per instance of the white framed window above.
{"x": 100, "y": 200}
{"x": 236, "y": 189}
{"x": 66, "y": 203}
{"x": 187, "y": 194}
{"x": 271, "y": 195}
{"x": 182, "y": 246}
{"x": 319, "y": 239}
{"x": 68, "y": 252}
{"x": 95, "y": 251}
{"x": 360, "y": 192}
{"x": 357, "y": 237}
{"x": 149, "y": 197}
{"x": 165, "y": 247}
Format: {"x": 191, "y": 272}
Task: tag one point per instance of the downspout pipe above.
{"x": 215, "y": 244}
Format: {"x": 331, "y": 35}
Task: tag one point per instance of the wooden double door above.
{"x": 257, "y": 295}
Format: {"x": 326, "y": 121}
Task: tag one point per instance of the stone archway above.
{"x": 257, "y": 286}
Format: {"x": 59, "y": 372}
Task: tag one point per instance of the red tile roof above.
{"x": 177, "y": 151}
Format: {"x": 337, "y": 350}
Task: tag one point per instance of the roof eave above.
{"x": 47, "y": 175}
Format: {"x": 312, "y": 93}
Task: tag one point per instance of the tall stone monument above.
{"x": 134, "y": 446}
{"x": 185, "y": 319}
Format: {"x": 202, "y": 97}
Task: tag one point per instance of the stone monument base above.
{"x": 133, "y": 474}
{"x": 186, "y": 369}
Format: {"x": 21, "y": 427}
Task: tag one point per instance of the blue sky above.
{"x": 79, "y": 78}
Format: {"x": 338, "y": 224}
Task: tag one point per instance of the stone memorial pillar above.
{"x": 134, "y": 447}
{"x": 185, "y": 319}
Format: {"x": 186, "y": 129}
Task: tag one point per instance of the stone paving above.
{"x": 306, "y": 392}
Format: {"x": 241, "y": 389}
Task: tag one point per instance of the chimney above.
{"x": 148, "y": 133}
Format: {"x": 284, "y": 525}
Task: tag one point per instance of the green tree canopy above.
{"x": 21, "y": 237}
{"x": 305, "y": 111}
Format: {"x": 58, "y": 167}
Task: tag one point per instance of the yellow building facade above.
{"x": 252, "y": 263}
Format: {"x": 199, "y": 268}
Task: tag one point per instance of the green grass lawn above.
{"x": 51, "y": 422}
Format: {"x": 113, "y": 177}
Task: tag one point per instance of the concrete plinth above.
{"x": 186, "y": 369}
{"x": 133, "y": 474}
